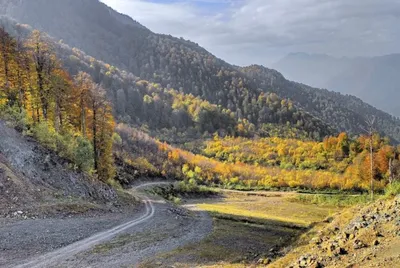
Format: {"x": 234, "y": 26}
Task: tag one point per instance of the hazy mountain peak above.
{"x": 373, "y": 79}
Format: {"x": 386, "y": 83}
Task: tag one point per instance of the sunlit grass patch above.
{"x": 334, "y": 200}
{"x": 275, "y": 208}
{"x": 234, "y": 211}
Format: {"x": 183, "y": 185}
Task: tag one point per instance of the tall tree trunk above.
{"x": 42, "y": 94}
{"x": 391, "y": 175}
{"x": 83, "y": 116}
{"x": 95, "y": 149}
{"x": 38, "y": 114}
{"x": 20, "y": 91}
{"x": 372, "y": 166}
{"x": 6, "y": 70}
{"x": 57, "y": 121}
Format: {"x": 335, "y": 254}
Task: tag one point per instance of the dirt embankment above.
{"x": 34, "y": 181}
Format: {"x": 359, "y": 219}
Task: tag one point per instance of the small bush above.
{"x": 176, "y": 200}
{"x": 114, "y": 184}
{"x": 46, "y": 135}
{"x": 183, "y": 189}
{"x": 15, "y": 116}
{"x": 143, "y": 164}
{"x": 83, "y": 154}
{"x": 392, "y": 189}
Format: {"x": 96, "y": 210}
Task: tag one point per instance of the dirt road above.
{"x": 160, "y": 227}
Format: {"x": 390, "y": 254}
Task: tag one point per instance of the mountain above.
{"x": 375, "y": 79}
{"x": 166, "y": 63}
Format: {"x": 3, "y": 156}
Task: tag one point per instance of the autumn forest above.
{"x": 104, "y": 120}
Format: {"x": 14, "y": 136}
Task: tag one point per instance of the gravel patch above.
{"x": 22, "y": 240}
{"x": 165, "y": 228}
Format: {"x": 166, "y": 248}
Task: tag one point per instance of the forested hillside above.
{"x": 176, "y": 116}
{"x": 337, "y": 163}
{"x": 69, "y": 115}
{"x": 189, "y": 69}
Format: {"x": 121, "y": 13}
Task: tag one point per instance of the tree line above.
{"x": 70, "y": 115}
{"x": 337, "y": 162}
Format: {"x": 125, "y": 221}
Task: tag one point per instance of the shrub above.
{"x": 83, "y": 154}
{"x": 66, "y": 145}
{"x": 141, "y": 163}
{"x": 392, "y": 189}
{"x": 45, "y": 135}
{"x": 14, "y": 116}
{"x": 114, "y": 184}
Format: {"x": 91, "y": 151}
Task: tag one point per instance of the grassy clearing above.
{"x": 272, "y": 207}
{"x": 246, "y": 227}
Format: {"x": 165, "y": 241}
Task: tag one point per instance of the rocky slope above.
{"x": 360, "y": 237}
{"x": 35, "y": 182}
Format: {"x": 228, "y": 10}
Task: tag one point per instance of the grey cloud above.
{"x": 260, "y": 31}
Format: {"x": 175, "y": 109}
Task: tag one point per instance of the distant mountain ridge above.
{"x": 188, "y": 68}
{"x": 373, "y": 79}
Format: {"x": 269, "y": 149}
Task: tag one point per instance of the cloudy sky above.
{"x": 263, "y": 31}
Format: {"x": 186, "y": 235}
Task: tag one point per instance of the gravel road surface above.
{"x": 107, "y": 241}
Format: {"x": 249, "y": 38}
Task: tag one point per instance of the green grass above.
{"x": 176, "y": 192}
{"x": 333, "y": 200}
{"x": 243, "y": 214}
{"x": 392, "y": 189}
{"x": 275, "y": 208}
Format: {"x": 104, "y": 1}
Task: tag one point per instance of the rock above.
{"x": 316, "y": 265}
{"x": 308, "y": 261}
{"x": 267, "y": 261}
{"x": 316, "y": 240}
{"x": 342, "y": 251}
{"x": 375, "y": 243}
{"x": 378, "y": 234}
{"x": 358, "y": 244}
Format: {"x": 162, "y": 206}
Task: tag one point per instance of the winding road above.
{"x": 66, "y": 253}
